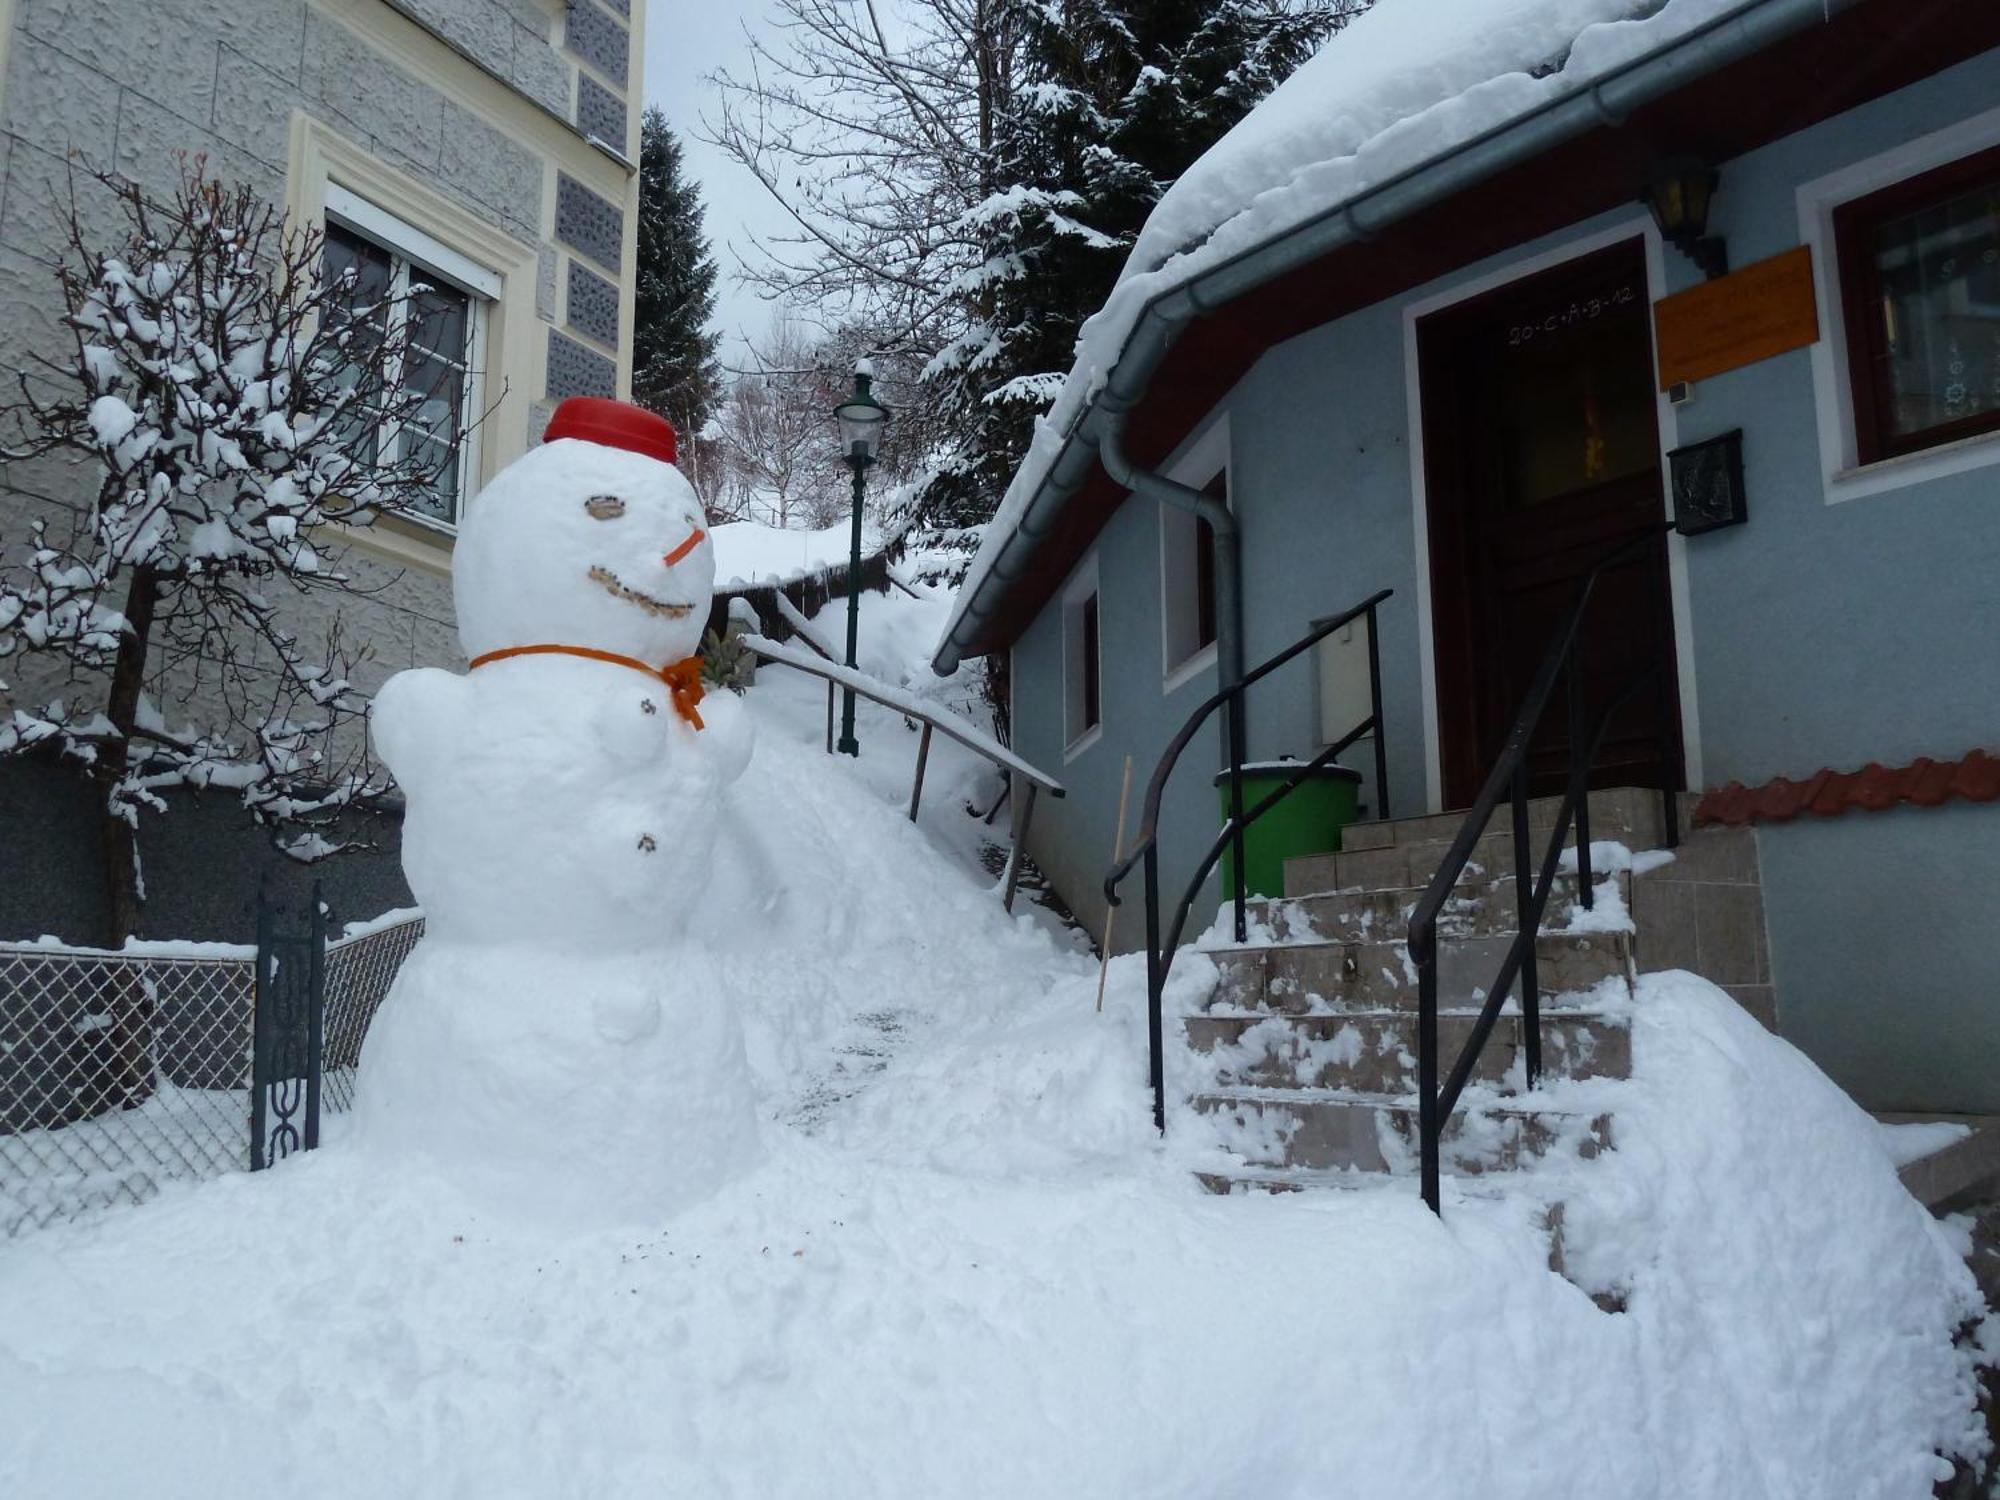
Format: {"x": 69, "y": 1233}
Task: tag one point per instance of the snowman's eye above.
{"x": 605, "y": 507}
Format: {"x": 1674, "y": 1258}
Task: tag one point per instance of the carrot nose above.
{"x": 693, "y": 541}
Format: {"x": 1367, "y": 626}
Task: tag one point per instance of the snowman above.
{"x": 555, "y": 1042}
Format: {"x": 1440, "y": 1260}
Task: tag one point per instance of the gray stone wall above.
{"x": 139, "y": 87}
{"x": 203, "y": 861}
{"x": 508, "y": 38}
{"x": 188, "y": 76}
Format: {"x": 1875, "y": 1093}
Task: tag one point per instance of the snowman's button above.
{"x": 646, "y": 843}
{"x": 648, "y": 706}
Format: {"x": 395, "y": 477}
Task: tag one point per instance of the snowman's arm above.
{"x": 728, "y": 735}
{"x": 415, "y": 719}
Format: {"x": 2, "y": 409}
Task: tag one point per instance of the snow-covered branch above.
{"x": 237, "y": 402}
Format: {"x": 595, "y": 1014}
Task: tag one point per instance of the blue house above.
{"x": 1699, "y": 299}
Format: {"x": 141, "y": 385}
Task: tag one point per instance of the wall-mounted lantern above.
{"x": 1679, "y": 190}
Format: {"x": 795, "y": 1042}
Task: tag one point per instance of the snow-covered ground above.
{"x": 967, "y": 1267}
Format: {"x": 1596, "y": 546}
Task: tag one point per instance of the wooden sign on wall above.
{"x": 1736, "y": 320}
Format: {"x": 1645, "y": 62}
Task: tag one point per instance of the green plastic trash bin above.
{"x": 1308, "y": 821}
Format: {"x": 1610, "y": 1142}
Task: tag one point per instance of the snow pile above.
{"x": 1405, "y": 83}
{"x": 966, "y": 1266}
{"x": 1768, "y": 1254}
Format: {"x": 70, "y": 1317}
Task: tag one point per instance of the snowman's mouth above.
{"x": 609, "y": 581}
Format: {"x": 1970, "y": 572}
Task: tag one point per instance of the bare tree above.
{"x": 778, "y": 444}
{"x": 776, "y": 437}
{"x": 874, "y": 131}
{"x": 234, "y": 403}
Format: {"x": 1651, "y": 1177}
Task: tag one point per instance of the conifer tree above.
{"x": 675, "y": 372}
{"x": 1117, "y": 99}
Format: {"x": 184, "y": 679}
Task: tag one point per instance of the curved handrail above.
{"x": 1265, "y": 804}
{"x": 1509, "y": 774}
{"x": 1159, "y": 957}
{"x": 1536, "y": 905}
{"x": 1149, "y": 826}
{"x": 1423, "y": 921}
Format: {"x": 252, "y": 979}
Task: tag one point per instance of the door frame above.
{"x": 1640, "y": 227}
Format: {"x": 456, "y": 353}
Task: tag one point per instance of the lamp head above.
{"x": 861, "y": 418}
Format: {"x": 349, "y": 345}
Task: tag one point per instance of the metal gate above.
{"x": 288, "y": 1047}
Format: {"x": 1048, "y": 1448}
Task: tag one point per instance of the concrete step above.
{"x": 1376, "y": 1051}
{"x": 1240, "y": 1180}
{"x": 1966, "y": 1167}
{"x": 1479, "y": 907}
{"x": 1407, "y": 851}
{"x": 1324, "y": 1130}
{"x": 1627, "y": 815}
{"x": 1302, "y": 978}
{"x": 1392, "y": 868}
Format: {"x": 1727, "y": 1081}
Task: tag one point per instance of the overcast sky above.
{"x": 685, "y": 41}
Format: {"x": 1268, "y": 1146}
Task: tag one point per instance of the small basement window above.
{"x": 1187, "y": 582}
{"x": 1083, "y": 661}
{"x": 1920, "y": 291}
{"x": 445, "y": 313}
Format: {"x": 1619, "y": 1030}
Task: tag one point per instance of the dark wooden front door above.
{"x": 1541, "y": 456}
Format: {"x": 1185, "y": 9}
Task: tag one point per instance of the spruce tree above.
{"x": 1118, "y": 99}
{"x": 674, "y": 372}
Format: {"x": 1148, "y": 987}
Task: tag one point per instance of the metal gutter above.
{"x": 1228, "y": 573}
{"x": 1609, "y": 100}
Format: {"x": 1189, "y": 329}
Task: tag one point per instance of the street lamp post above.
{"x": 861, "y": 419}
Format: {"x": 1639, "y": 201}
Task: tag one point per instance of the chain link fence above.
{"x": 121, "y": 1072}
{"x": 359, "y": 971}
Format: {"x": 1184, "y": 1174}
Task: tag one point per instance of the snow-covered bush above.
{"x": 225, "y": 403}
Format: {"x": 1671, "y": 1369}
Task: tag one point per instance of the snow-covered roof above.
{"x": 749, "y": 553}
{"x": 1407, "y": 83}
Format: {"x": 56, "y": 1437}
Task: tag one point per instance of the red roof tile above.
{"x": 1828, "y": 793}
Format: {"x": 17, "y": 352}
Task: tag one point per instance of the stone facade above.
{"x": 1705, "y": 912}
{"x": 481, "y": 105}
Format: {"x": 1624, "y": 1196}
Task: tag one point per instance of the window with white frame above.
{"x": 1083, "y": 659}
{"x": 1187, "y": 562}
{"x": 1920, "y": 291}
{"x": 442, "y": 299}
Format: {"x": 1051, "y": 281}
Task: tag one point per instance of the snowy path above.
{"x": 876, "y": 1037}
{"x": 980, "y": 1274}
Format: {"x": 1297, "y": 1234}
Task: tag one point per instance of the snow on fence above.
{"x": 123, "y": 1071}
{"x": 761, "y": 580}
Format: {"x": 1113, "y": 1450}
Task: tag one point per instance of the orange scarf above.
{"x": 683, "y": 678}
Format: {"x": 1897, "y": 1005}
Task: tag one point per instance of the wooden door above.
{"x": 1542, "y": 455}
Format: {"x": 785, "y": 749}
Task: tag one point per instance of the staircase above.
{"x": 1306, "y": 1049}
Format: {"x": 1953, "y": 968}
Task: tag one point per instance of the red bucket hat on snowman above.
{"x": 614, "y": 424}
{"x": 618, "y": 424}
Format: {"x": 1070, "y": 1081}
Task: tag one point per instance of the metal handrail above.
{"x": 1509, "y": 778}
{"x": 822, "y": 664}
{"x": 1160, "y": 958}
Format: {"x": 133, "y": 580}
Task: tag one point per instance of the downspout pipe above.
{"x": 1228, "y": 609}
{"x": 1606, "y": 101}
{"x": 1221, "y": 521}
